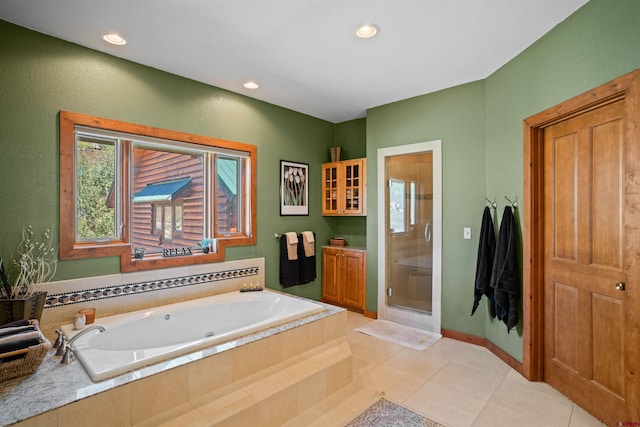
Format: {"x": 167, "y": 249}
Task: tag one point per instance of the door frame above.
{"x": 405, "y": 316}
{"x": 626, "y": 87}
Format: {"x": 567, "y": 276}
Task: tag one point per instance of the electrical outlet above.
{"x": 467, "y": 233}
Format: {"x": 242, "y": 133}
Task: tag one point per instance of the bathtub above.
{"x": 140, "y": 338}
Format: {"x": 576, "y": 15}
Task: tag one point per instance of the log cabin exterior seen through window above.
{"x": 130, "y": 188}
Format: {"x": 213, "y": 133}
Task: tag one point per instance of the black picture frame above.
{"x": 294, "y": 188}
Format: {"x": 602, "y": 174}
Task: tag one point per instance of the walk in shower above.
{"x": 410, "y": 234}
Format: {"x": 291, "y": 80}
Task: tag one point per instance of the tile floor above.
{"x": 454, "y": 383}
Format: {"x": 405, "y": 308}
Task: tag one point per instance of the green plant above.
{"x": 34, "y": 263}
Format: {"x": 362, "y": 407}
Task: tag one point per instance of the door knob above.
{"x": 620, "y": 286}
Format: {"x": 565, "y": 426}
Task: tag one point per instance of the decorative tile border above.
{"x": 68, "y": 298}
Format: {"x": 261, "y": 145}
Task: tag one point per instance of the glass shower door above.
{"x": 409, "y": 249}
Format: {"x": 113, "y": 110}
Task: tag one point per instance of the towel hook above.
{"x": 514, "y": 204}
{"x": 493, "y": 204}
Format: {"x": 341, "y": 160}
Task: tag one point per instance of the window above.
{"x": 130, "y": 187}
{"x": 401, "y": 216}
{"x": 397, "y": 208}
{"x": 167, "y": 222}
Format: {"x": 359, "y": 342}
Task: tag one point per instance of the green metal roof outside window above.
{"x": 227, "y": 170}
{"x": 162, "y": 191}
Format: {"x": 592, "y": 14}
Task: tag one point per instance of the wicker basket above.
{"x": 27, "y": 362}
{"x": 336, "y": 242}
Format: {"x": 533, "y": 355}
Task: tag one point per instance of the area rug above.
{"x": 384, "y": 413}
{"x": 399, "y": 334}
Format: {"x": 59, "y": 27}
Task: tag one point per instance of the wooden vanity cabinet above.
{"x": 344, "y": 277}
{"x": 344, "y": 187}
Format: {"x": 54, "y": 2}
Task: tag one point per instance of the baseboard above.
{"x": 370, "y": 314}
{"x": 484, "y": 342}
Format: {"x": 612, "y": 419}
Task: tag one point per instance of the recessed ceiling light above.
{"x": 114, "y": 39}
{"x": 251, "y": 85}
{"x": 367, "y": 31}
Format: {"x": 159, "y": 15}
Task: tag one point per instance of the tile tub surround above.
{"x": 121, "y": 293}
{"x": 243, "y": 369}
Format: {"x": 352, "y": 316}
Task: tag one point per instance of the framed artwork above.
{"x": 294, "y": 188}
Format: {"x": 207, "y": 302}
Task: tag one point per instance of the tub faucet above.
{"x": 68, "y": 352}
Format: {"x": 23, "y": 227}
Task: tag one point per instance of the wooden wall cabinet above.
{"x": 344, "y": 277}
{"x": 344, "y": 188}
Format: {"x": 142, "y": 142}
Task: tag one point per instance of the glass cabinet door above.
{"x": 330, "y": 189}
{"x": 352, "y": 187}
{"x": 343, "y": 188}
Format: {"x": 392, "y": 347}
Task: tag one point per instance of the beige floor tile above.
{"x": 445, "y": 350}
{"x": 348, "y": 402}
{"x": 355, "y": 320}
{"x": 476, "y": 382}
{"x": 394, "y": 382}
{"x": 373, "y": 349}
{"x": 416, "y": 362}
{"x": 361, "y": 366}
{"x": 313, "y": 418}
{"x": 482, "y": 359}
{"x": 445, "y": 404}
{"x": 581, "y": 418}
{"x": 495, "y": 415}
{"x": 533, "y": 400}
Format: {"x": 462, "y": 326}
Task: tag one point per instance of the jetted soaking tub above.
{"x": 140, "y": 338}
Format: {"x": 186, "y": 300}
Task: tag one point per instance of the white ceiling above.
{"x": 304, "y": 53}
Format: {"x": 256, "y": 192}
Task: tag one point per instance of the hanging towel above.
{"x": 289, "y": 268}
{"x": 308, "y": 241}
{"x": 307, "y": 257}
{"x": 292, "y": 245}
{"x": 484, "y": 265}
{"x": 505, "y": 277}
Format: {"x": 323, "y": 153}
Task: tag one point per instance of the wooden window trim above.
{"x": 71, "y": 249}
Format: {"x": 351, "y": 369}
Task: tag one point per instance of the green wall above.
{"x": 352, "y": 137}
{"x": 457, "y": 117}
{"x": 481, "y": 128}
{"x": 41, "y": 75}
{"x": 595, "y": 45}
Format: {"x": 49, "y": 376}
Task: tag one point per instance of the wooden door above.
{"x": 584, "y": 260}
{"x": 331, "y": 275}
{"x": 353, "y": 270}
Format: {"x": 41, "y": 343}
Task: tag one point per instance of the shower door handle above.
{"x": 427, "y": 234}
